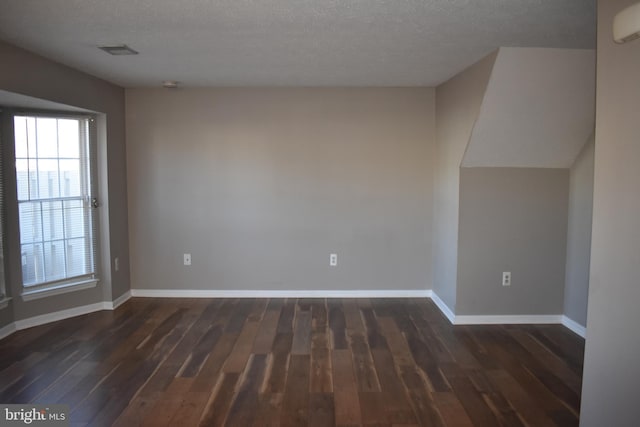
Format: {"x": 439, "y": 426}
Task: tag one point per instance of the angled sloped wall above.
{"x": 536, "y": 115}
{"x": 538, "y": 110}
{"x": 458, "y": 102}
{"x": 521, "y": 116}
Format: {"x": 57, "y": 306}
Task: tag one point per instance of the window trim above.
{"x": 54, "y": 288}
{"x": 71, "y": 284}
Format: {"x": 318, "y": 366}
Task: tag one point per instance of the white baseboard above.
{"x": 7, "y": 330}
{"x": 444, "y": 308}
{"x": 509, "y": 319}
{"x": 198, "y": 293}
{"x": 574, "y": 326}
{"x": 194, "y": 293}
{"x": 108, "y": 305}
{"x": 58, "y": 315}
{"x": 30, "y": 322}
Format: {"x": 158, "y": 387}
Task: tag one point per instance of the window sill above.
{"x": 4, "y": 303}
{"x": 33, "y": 294}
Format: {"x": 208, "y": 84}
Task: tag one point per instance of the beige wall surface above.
{"x": 611, "y": 368}
{"x": 458, "y": 104}
{"x": 28, "y": 74}
{"x": 261, "y": 185}
{"x": 512, "y": 219}
{"x": 576, "y": 290}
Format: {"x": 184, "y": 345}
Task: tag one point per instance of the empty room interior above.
{"x": 346, "y": 213}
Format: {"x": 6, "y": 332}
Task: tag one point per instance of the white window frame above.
{"x": 76, "y": 283}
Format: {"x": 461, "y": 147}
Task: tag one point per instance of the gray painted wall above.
{"x": 576, "y": 288}
{"x": 512, "y": 219}
{"x": 611, "y": 368}
{"x": 32, "y": 75}
{"x": 261, "y": 185}
{"x": 458, "y": 104}
{"x": 538, "y": 109}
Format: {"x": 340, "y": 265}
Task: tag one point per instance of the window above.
{"x": 56, "y": 197}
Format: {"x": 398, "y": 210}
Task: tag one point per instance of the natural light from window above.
{"x": 54, "y": 199}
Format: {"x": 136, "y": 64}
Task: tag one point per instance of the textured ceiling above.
{"x": 289, "y": 42}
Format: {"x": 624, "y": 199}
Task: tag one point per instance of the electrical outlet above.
{"x": 187, "y": 259}
{"x": 333, "y": 260}
{"x": 116, "y": 264}
{"x": 506, "y": 278}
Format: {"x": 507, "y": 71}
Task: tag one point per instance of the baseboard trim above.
{"x": 7, "y": 330}
{"x": 444, "y": 308}
{"x": 108, "y": 305}
{"x": 58, "y": 315}
{"x": 574, "y": 326}
{"x": 30, "y": 322}
{"x": 200, "y": 293}
{"x": 508, "y": 319}
{"x": 193, "y": 293}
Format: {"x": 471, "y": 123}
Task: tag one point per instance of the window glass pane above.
{"x": 49, "y": 184}
{"x": 32, "y": 264}
{"x": 47, "y": 138}
{"x": 30, "y": 222}
{"x": 54, "y": 260}
{"x": 78, "y": 257}
{"x": 22, "y": 178}
{"x": 69, "y": 139}
{"x": 31, "y": 136}
{"x": 20, "y": 130}
{"x": 52, "y": 224}
{"x": 74, "y": 219}
{"x": 70, "y": 178}
{"x": 33, "y": 179}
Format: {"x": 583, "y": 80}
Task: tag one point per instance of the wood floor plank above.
{"x": 279, "y": 363}
{"x": 352, "y": 316}
{"x": 269, "y": 408}
{"x": 374, "y": 337}
{"x": 398, "y": 407}
{"x": 366, "y": 375}
{"x": 206, "y": 378}
{"x": 521, "y": 401}
{"x": 321, "y": 410}
{"x": 346, "y": 401}
{"x": 302, "y": 333}
{"x": 266, "y": 333}
{"x": 239, "y": 356}
{"x": 451, "y": 410}
{"x": 372, "y": 407}
{"x": 285, "y": 323}
{"x": 549, "y": 359}
{"x": 245, "y": 403}
{"x": 319, "y": 319}
{"x": 321, "y": 376}
{"x": 295, "y": 405}
{"x": 216, "y": 409}
{"x": 337, "y": 324}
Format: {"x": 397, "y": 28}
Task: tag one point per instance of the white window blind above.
{"x": 56, "y": 190}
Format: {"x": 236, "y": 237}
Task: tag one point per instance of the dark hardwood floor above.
{"x": 316, "y": 362}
